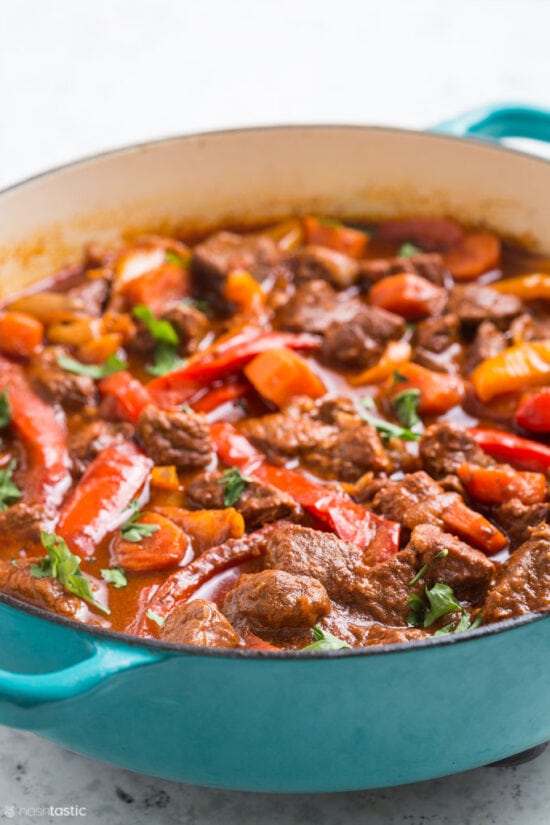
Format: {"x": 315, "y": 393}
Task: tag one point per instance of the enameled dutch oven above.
{"x": 279, "y": 722}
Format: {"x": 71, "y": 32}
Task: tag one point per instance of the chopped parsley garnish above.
{"x": 325, "y": 641}
{"x": 407, "y": 250}
{"x": 112, "y": 364}
{"x": 9, "y": 492}
{"x": 62, "y": 565}
{"x": 5, "y": 409}
{"x": 405, "y": 405}
{"x": 199, "y": 303}
{"x": 134, "y": 530}
{"x": 398, "y": 378}
{"x": 441, "y": 600}
{"x": 156, "y": 618}
{"x": 235, "y": 484}
{"x": 114, "y": 576}
{"x": 166, "y": 353}
{"x": 463, "y": 625}
{"x": 175, "y": 258}
{"x": 422, "y": 572}
{"x": 386, "y": 428}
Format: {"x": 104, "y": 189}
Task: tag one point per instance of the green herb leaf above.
{"x": 386, "y": 429}
{"x": 166, "y": 360}
{"x": 133, "y": 530}
{"x": 463, "y": 625}
{"x": 235, "y": 484}
{"x": 442, "y": 601}
{"x": 174, "y": 258}
{"x": 155, "y": 618}
{"x": 199, "y": 303}
{"x": 114, "y": 576}
{"x": 405, "y": 405}
{"x": 5, "y": 409}
{"x": 407, "y": 250}
{"x": 62, "y": 565}
{"x": 325, "y": 641}
{"x": 422, "y": 571}
{"x": 399, "y": 378}
{"x": 160, "y": 329}
{"x": 9, "y": 492}
{"x": 418, "y": 609}
{"x": 112, "y": 364}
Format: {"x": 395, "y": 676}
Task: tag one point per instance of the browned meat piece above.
{"x": 526, "y": 328}
{"x": 474, "y": 304}
{"x": 523, "y": 584}
{"x": 190, "y": 324}
{"x": 323, "y": 556}
{"x": 88, "y": 438}
{"x": 259, "y": 503}
{"x": 428, "y": 265}
{"x": 175, "y": 437}
{"x": 310, "y": 309}
{"x": 417, "y": 499}
{"x": 444, "y": 447}
{"x": 318, "y": 262}
{"x": 94, "y": 294}
{"x": 358, "y": 342}
{"x": 377, "y": 634}
{"x": 469, "y": 572}
{"x": 328, "y": 436}
{"x": 199, "y": 622}
{"x": 20, "y": 524}
{"x": 517, "y": 519}
{"x": 17, "y": 581}
{"x": 276, "y": 600}
{"x": 437, "y": 334}
{"x": 357, "y": 630}
{"x": 488, "y": 342}
{"x": 215, "y": 257}
{"x": 58, "y": 386}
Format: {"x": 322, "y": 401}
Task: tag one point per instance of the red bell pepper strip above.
{"x": 184, "y": 582}
{"x": 43, "y": 437}
{"x": 533, "y": 412}
{"x": 512, "y": 449}
{"x": 214, "y": 398}
{"x": 128, "y": 395}
{"x": 332, "y": 507}
{"x": 224, "y": 358}
{"x": 96, "y": 505}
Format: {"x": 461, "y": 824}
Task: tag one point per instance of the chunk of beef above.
{"x": 200, "y": 623}
{"x": 310, "y": 309}
{"x": 444, "y": 447}
{"x": 488, "y": 342}
{"x": 175, "y": 437}
{"x": 427, "y": 265}
{"x": 358, "y": 630}
{"x": 216, "y": 256}
{"x": 523, "y": 584}
{"x": 191, "y": 326}
{"x": 358, "y": 342}
{"x": 17, "y": 581}
{"x": 527, "y": 328}
{"x": 276, "y": 600}
{"x": 319, "y": 262}
{"x": 328, "y": 436}
{"x": 258, "y": 504}
{"x": 518, "y": 519}
{"x": 307, "y": 552}
{"x": 436, "y": 335}
{"x": 88, "y": 438}
{"x": 474, "y": 303}
{"x": 58, "y": 386}
{"x": 469, "y": 572}
{"x": 417, "y": 499}
{"x": 21, "y": 523}
{"x": 94, "y": 294}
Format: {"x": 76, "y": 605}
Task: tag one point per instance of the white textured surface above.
{"x": 80, "y": 77}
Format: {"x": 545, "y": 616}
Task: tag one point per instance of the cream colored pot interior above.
{"x": 241, "y": 176}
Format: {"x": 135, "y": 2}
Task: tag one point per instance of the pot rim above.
{"x": 231, "y": 653}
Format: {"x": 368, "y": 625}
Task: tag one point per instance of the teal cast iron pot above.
{"x": 262, "y": 721}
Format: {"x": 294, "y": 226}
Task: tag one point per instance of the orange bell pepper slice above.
{"x": 396, "y": 354}
{"x": 20, "y": 334}
{"x": 517, "y": 368}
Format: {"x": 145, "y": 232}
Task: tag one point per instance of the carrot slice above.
{"x": 408, "y": 295}
{"x": 20, "y": 334}
{"x": 166, "y": 547}
{"x": 473, "y": 528}
{"x": 280, "y": 375}
{"x": 438, "y": 391}
{"x": 157, "y": 288}
{"x": 206, "y": 528}
{"x": 475, "y": 254}
{"x": 344, "y": 239}
{"x": 494, "y": 485}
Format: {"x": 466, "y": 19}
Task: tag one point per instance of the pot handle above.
{"x": 107, "y": 659}
{"x": 501, "y": 121}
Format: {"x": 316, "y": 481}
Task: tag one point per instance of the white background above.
{"x": 80, "y": 76}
